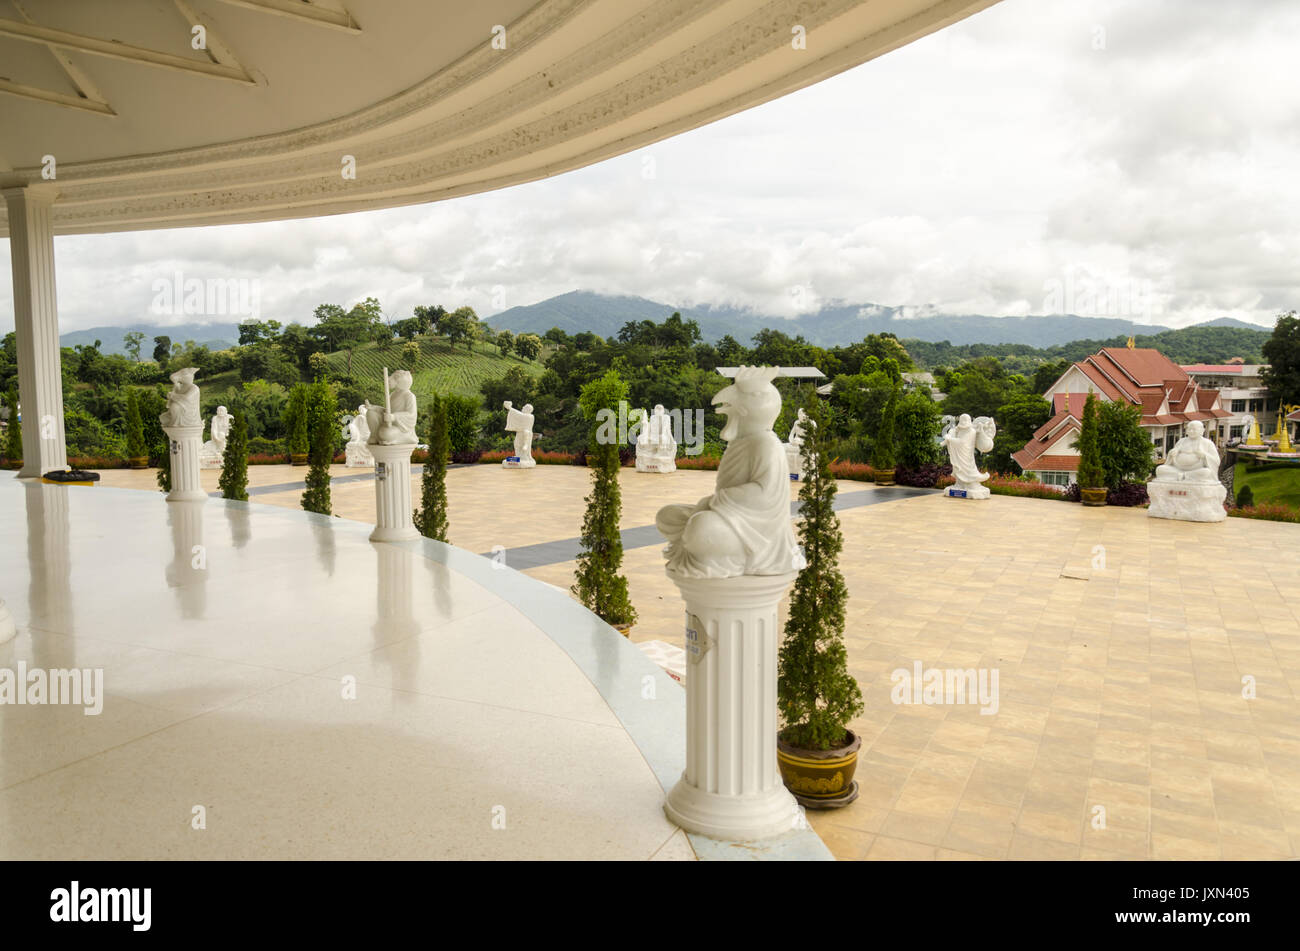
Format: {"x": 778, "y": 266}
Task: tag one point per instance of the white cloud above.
{"x": 1144, "y": 144}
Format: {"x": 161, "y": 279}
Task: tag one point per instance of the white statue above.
{"x": 1193, "y": 458}
{"x": 1187, "y": 485}
{"x": 520, "y": 422}
{"x": 656, "y": 449}
{"x": 393, "y": 424}
{"x": 358, "y": 433}
{"x": 182, "y": 401}
{"x": 962, "y": 438}
{"x": 794, "y": 444}
{"x": 744, "y": 527}
{"x": 214, "y": 450}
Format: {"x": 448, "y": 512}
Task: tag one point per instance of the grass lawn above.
{"x": 1278, "y": 483}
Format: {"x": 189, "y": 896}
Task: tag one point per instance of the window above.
{"x": 1239, "y": 406}
{"x": 1062, "y": 479}
{"x": 1236, "y": 431}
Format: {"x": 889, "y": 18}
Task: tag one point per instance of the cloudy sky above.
{"x": 1118, "y": 158}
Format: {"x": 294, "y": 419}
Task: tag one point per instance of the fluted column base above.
{"x": 185, "y": 443}
{"x": 393, "y": 494}
{"x": 731, "y": 787}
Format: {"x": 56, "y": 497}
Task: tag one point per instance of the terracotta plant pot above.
{"x": 298, "y": 458}
{"x": 1093, "y": 496}
{"x": 624, "y": 629}
{"x": 138, "y": 462}
{"x": 885, "y": 476}
{"x": 820, "y": 779}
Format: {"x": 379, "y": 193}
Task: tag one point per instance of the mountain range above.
{"x": 835, "y": 324}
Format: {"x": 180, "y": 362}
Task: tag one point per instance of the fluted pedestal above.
{"x": 393, "y": 493}
{"x": 185, "y": 443}
{"x": 36, "y": 327}
{"x": 731, "y": 788}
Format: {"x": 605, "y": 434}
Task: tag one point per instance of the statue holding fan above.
{"x": 393, "y": 424}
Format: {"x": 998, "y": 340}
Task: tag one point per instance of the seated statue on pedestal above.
{"x": 182, "y": 401}
{"x": 394, "y": 426}
{"x": 1187, "y": 485}
{"x": 656, "y": 449}
{"x": 357, "y": 452}
{"x": 213, "y": 451}
{"x": 744, "y": 527}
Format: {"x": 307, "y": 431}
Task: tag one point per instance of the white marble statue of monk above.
{"x": 395, "y": 427}
{"x": 744, "y": 527}
{"x": 182, "y": 400}
{"x": 1193, "y": 458}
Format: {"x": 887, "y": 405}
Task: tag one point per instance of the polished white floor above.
{"x": 229, "y": 636}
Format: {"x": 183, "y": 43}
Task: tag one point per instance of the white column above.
{"x": 36, "y": 326}
{"x": 185, "y": 443}
{"x": 731, "y": 787}
{"x": 393, "y": 493}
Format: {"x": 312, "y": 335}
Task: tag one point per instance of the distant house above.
{"x": 1242, "y": 393}
{"x": 925, "y": 382}
{"x": 1165, "y": 393}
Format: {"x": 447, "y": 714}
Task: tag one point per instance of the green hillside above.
{"x": 441, "y": 369}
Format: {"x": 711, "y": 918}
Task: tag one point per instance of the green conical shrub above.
{"x": 431, "y": 517}
{"x": 322, "y": 427}
{"x": 600, "y": 584}
{"x": 816, "y": 695}
{"x": 136, "y": 447}
{"x": 234, "y": 462}
{"x": 1090, "y": 474}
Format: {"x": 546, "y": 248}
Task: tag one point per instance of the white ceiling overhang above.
{"x": 148, "y": 132}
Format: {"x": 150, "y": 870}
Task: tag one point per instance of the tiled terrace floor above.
{"x": 1120, "y": 641}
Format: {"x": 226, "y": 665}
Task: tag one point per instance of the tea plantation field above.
{"x": 441, "y": 368}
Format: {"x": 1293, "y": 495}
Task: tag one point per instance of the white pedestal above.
{"x": 731, "y": 787}
{"x": 967, "y": 490}
{"x": 1187, "y": 501}
{"x": 518, "y": 462}
{"x": 185, "y": 443}
{"x": 393, "y": 494}
{"x": 358, "y": 456}
{"x": 652, "y": 459}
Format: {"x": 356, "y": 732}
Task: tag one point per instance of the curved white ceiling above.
{"x": 148, "y": 132}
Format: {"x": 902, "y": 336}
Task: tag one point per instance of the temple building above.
{"x": 1242, "y": 393}
{"x": 1167, "y": 395}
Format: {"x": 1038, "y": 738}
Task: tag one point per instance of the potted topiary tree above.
{"x": 1091, "y": 476}
{"x": 137, "y": 452}
{"x": 321, "y": 424}
{"x": 295, "y": 424}
{"x": 883, "y": 451}
{"x": 431, "y": 517}
{"x": 234, "y": 463}
{"x": 815, "y": 694}
{"x": 599, "y": 585}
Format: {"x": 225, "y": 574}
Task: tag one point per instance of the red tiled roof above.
{"x": 1144, "y": 365}
{"x": 1056, "y": 463}
{"x": 1043, "y": 439}
{"x": 1295, "y": 417}
{"x": 1213, "y": 368}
